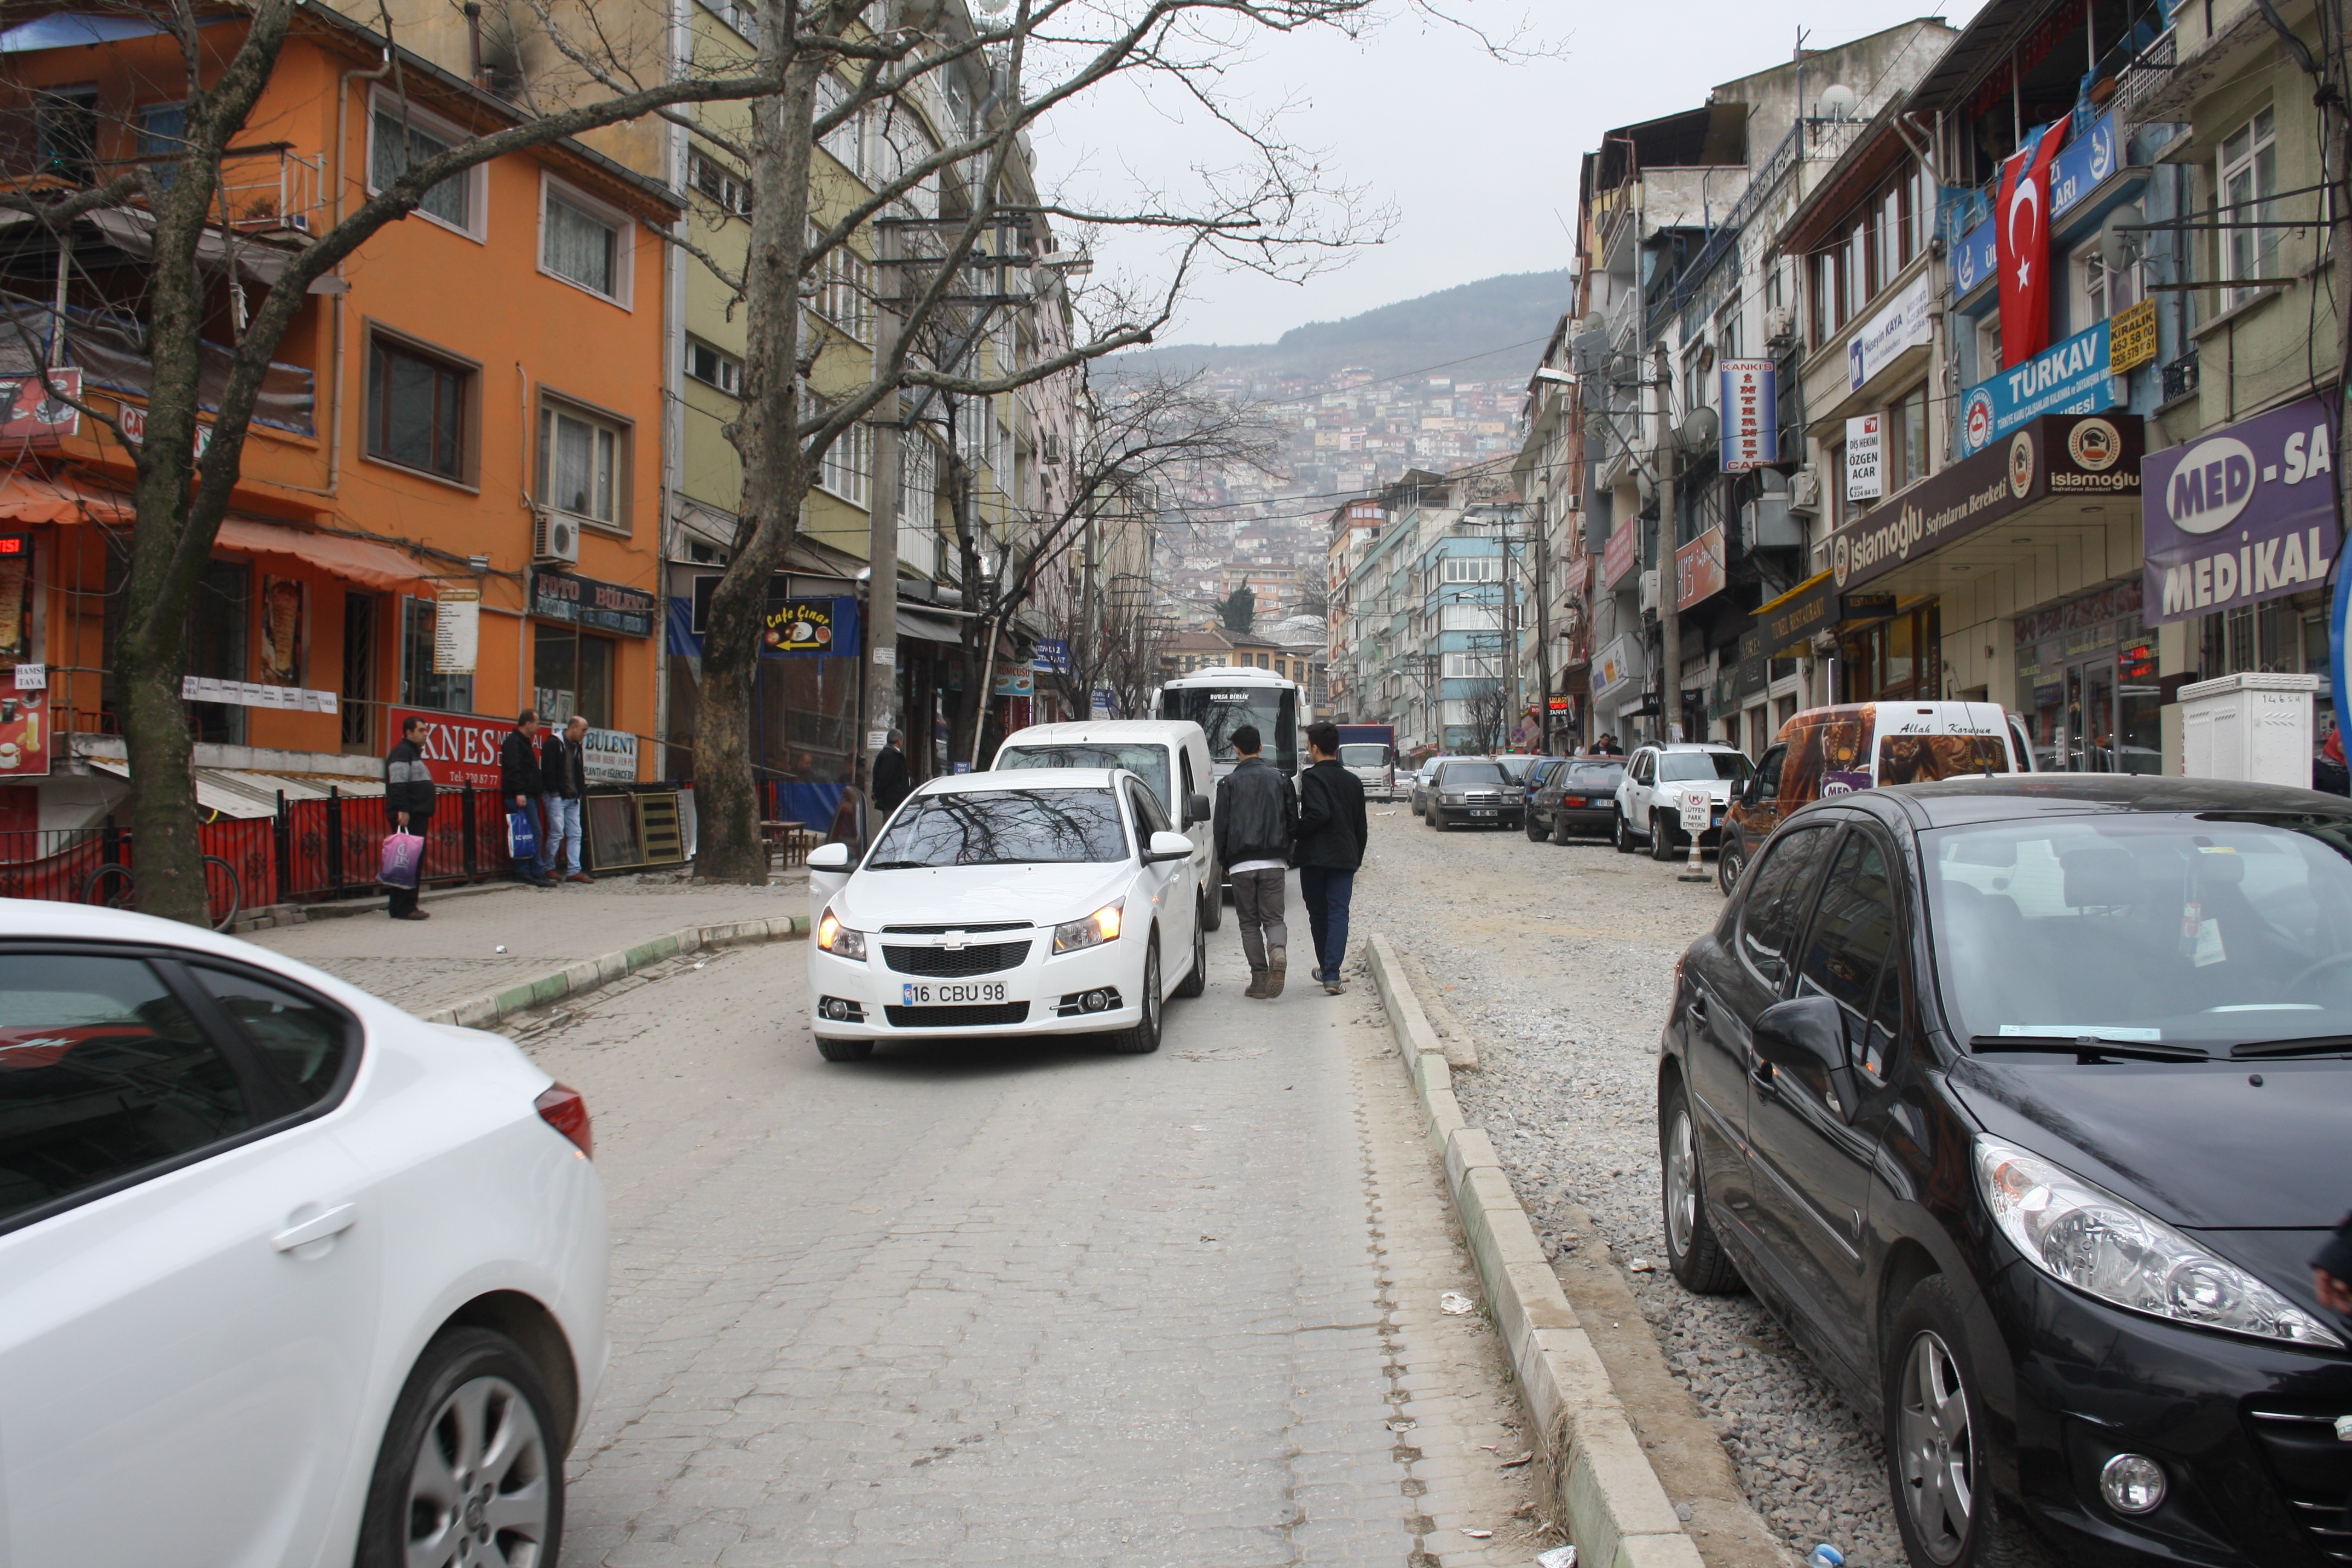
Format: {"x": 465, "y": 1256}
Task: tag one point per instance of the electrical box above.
{"x": 1767, "y": 524}
{"x": 2249, "y": 727}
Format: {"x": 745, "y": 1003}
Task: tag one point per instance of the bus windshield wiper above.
{"x": 2087, "y": 1047}
{"x": 2309, "y": 1046}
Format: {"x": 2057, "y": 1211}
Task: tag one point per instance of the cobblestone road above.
{"x": 1027, "y": 1302}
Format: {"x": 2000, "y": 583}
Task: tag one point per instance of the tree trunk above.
{"x": 166, "y": 858}
{"x": 729, "y": 847}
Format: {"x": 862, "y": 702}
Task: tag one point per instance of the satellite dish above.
{"x": 1698, "y": 430}
{"x": 1839, "y": 101}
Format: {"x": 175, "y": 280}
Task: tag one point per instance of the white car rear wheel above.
{"x": 469, "y": 1470}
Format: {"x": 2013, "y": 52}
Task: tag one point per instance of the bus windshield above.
{"x": 1222, "y": 710}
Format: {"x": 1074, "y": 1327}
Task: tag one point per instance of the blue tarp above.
{"x": 811, "y": 805}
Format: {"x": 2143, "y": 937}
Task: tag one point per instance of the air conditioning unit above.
{"x": 1767, "y": 524}
{"x": 1650, "y": 590}
{"x": 556, "y": 541}
{"x": 1779, "y": 325}
{"x": 1805, "y": 492}
{"x": 1053, "y": 447}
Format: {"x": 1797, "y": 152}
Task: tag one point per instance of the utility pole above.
{"x": 1510, "y": 638}
{"x": 882, "y": 520}
{"x": 1670, "y": 620}
{"x": 1082, "y": 657}
{"x": 1543, "y": 634}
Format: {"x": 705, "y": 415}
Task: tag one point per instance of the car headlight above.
{"x": 2084, "y": 1237}
{"x": 1098, "y": 928}
{"x": 839, "y": 940}
{"x": 1454, "y": 799}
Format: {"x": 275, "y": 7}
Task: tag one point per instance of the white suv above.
{"x": 1650, "y": 798}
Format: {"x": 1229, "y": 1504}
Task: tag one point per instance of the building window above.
{"x": 418, "y": 410}
{"x": 2249, "y": 176}
{"x": 572, "y": 673}
{"x": 1459, "y": 617}
{"x": 728, "y": 191}
{"x": 844, "y": 295}
{"x": 1472, "y": 568}
{"x": 583, "y": 242}
{"x": 163, "y": 139}
{"x": 846, "y": 140}
{"x": 400, "y": 138}
{"x": 65, "y": 130}
{"x": 419, "y": 686}
{"x": 581, "y": 466}
{"x": 712, "y": 367}
{"x": 1907, "y": 428}
{"x": 844, "y": 468}
{"x": 1859, "y": 284}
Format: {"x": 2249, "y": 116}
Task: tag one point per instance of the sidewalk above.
{"x": 424, "y": 965}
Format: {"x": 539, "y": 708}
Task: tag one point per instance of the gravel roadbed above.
{"x": 1559, "y": 961}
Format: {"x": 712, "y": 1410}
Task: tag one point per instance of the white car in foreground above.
{"x": 287, "y": 1276}
{"x": 1035, "y": 901}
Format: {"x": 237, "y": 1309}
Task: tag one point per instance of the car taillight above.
{"x": 562, "y": 1108}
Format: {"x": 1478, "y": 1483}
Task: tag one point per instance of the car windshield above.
{"x": 1594, "y": 775}
{"x": 1514, "y": 768}
{"x": 1146, "y": 763}
{"x": 1682, "y": 767}
{"x": 1456, "y": 774}
{"x": 1363, "y": 756}
{"x": 1002, "y": 827}
{"x": 2211, "y": 930}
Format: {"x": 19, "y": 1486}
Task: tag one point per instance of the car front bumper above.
{"x": 2244, "y": 1429}
{"x": 1037, "y": 987}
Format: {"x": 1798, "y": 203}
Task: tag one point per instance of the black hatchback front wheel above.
{"x": 1694, "y": 1254}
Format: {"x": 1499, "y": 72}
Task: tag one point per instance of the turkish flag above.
{"x": 2023, "y": 244}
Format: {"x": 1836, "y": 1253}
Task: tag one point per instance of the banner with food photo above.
{"x": 283, "y": 600}
{"x": 811, "y": 625}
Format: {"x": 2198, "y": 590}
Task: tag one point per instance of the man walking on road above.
{"x": 408, "y": 801}
{"x": 1257, "y": 821}
{"x": 890, "y": 786}
{"x": 520, "y": 782}
{"x": 1332, "y": 834}
{"x": 563, "y": 776}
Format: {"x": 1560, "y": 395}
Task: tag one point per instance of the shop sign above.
{"x": 1753, "y": 667}
{"x": 1976, "y": 259}
{"x": 2131, "y": 337}
{"x": 29, "y": 417}
{"x": 813, "y": 626}
{"x": 457, "y": 631}
{"x": 2086, "y": 161}
{"x": 1559, "y": 704}
{"x": 1052, "y": 657}
{"x": 1905, "y": 323}
{"x": 458, "y": 749}
{"x": 1016, "y": 683}
{"x": 1618, "y": 556}
{"x": 608, "y": 756}
{"x": 1698, "y": 569}
{"x": 586, "y": 601}
{"x": 1865, "y": 446}
{"x": 1787, "y": 623}
{"x": 2076, "y": 376}
{"x": 1618, "y": 666}
{"x": 23, "y": 735}
{"x": 1751, "y": 414}
{"x": 131, "y": 420}
{"x": 2076, "y": 456}
{"x": 256, "y": 694}
{"x": 2243, "y": 513}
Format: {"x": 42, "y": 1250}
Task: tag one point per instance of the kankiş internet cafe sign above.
{"x": 2243, "y": 514}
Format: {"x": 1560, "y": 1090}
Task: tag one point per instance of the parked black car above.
{"x": 1475, "y": 790}
{"x": 1580, "y": 795}
{"x": 1530, "y": 785}
{"x": 2023, "y": 1101}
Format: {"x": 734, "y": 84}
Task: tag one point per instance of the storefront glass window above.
{"x": 2088, "y": 684}
{"x": 419, "y": 686}
{"x": 572, "y": 673}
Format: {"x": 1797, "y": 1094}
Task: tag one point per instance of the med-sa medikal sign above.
{"x": 2240, "y": 514}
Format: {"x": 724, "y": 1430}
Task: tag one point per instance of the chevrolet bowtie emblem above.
{"x": 957, "y": 941}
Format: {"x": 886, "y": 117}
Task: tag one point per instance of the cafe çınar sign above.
{"x": 2075, "y": 454}
{"x": 2243, "y": 513}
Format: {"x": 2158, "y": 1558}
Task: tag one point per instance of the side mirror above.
{"x": 1805, "y": 1038}
{"x": 1196, "y": 809}
{"x": 829, "y": 857}
{"x": 1165, "y": 846}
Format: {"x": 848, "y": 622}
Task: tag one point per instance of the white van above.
{"x": 1171, "y": 755}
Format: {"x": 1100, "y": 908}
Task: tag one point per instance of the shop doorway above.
{"x": 1895, "y": 659}
{"x": 2098, "y": 714}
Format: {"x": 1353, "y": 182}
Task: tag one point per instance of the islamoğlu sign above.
{"x": 2243, "y": 513}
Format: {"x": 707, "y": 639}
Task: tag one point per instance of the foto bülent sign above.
{"x": 1752, "y": 414}
{"x": 586, "y": 602}
{"x": 2243, "y": 513}
{"x": 2073, "y": 377}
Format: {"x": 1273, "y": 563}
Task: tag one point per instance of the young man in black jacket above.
{"x": 1332, "y": 833}
{"x": 408, "y": 806}
{"x": 1257, "y": 819}
{"x": 518, "y": 781}
{"x": 563, "y": 776}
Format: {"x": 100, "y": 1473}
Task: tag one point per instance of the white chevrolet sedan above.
{"x": 1033, "y": 902}
{"x": 287, "y": 1276}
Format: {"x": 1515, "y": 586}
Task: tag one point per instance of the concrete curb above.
{"x": 490, "y": 1009}
{"x": 1614, "y": 1506}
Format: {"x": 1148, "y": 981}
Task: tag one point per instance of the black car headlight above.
{"x": 2082, "y": 1236}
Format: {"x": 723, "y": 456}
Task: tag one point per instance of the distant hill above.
{"x": 1519, "y": 309}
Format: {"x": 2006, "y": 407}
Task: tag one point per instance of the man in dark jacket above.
{"x": 1257, "y": 820}
{"x": 564, "y": 781}
{"x": 1332, "y": 834}
{"x": 890, "y": 778}
{"x": 408, "y": 804}
{"x": 518, "y": 781}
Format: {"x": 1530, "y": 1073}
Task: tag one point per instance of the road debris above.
{"x": 1454, "y": 1304}
{"x": 1477, "y": 1535}
{"x": 1558, "y": 1557}
{"x": 1640, "y": 1266}
{"x": 1522, "y": 1459}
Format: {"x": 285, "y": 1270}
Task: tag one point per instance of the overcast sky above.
{"x": 1476, "y": 157}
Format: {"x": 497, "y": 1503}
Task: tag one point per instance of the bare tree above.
{"x": 1488, "y": 707}
{"x": 196, "y": 278}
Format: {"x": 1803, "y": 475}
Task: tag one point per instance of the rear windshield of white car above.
{"x": 1363, "y": 756}
{"x": 1456, "y": 774}
{"x": 1682, "y": 767}
{"x": 1146, "y": 763}
{"x": 1002, "y": 828}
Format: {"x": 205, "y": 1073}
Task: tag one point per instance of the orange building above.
{"x": 461, "y": 447}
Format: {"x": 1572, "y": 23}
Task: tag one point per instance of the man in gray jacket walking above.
{"x": 1257, "y": 819}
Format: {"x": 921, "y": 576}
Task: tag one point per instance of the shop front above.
{"x": 2087, "y": 685}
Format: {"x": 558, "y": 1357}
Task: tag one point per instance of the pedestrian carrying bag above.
{"x": 522, "y": 834}
{"x": 403, "y": 856}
